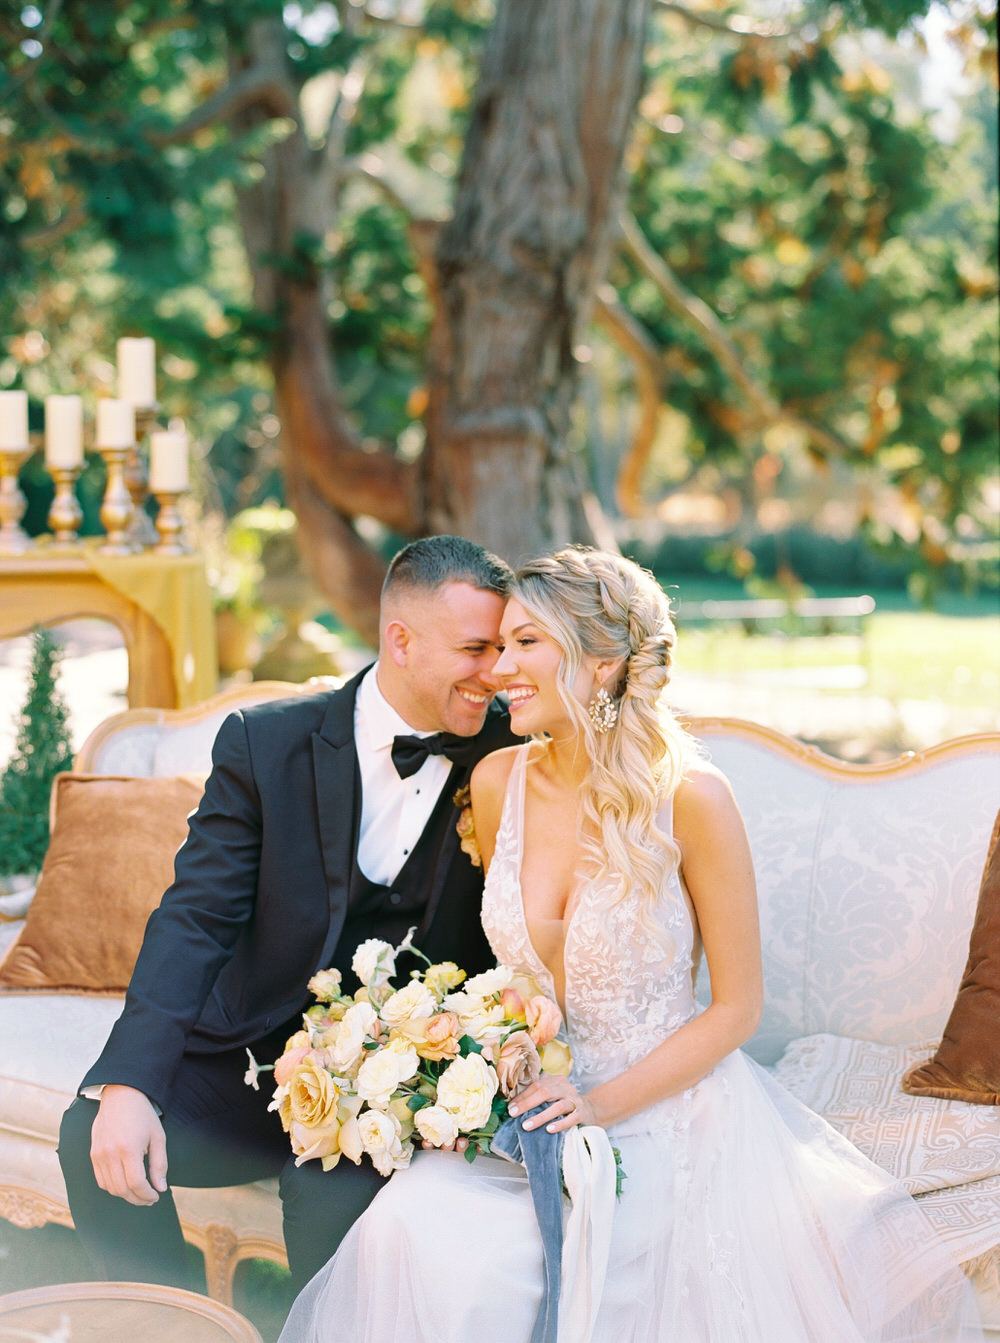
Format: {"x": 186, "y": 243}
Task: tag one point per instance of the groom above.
{"x": 326, "y": 820}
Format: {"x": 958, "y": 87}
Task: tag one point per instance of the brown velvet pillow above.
{"x": 109, "y": 861}
{"x": 966, "y": 1066}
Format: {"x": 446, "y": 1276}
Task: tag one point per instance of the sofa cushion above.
{"x": 966, "y": 1066}
{"x": 48, "y": 1045}
{"x": 926, "y": 1144}
{"x": 109, "y": 861}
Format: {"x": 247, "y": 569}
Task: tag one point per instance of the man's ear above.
{"x": 396, "y": 640}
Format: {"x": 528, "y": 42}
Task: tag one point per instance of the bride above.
{"x": 615, "y": 853}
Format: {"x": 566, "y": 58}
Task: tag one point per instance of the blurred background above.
{"x": 711, "y": 282}
{"x": 717, "y": 287}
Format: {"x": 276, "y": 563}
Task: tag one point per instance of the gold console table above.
{"x": 162, "y": 604}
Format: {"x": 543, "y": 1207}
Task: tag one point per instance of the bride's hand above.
{"x": 566, "y": 1106}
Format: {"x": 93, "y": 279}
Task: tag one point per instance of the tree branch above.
{"x": 343, "y": 567}
{"x": 696, "y": 313}
{"x": 261, "y": 86}
{"x": 68, "y": 222}
{"x": 630, "y": 337}
{"x": 737, "y": 26}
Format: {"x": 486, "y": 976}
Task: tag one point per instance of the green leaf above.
{"x": 468, "y": 1046}
{"x": 417, "y": 1102}
{"x": 471, "y": 1152}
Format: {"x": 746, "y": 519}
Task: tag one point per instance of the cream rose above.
{"x": 412, "y": 1003}
{"x": 325, "y": 985}
{"x": 313, "y": 1095}
{"x": 384, "y": 1070}
{"x": 358, "y": 1025}
{"x": 443, "y": 978}
{"x": 543, "y": 1018}
{"x": 374, "y": 962}
{"x": 517, "y": 1063}
{"x": 466, "y": 1089}
{"x": 436, "y": 1125}
{"x": 479, "y": 1018}
{"x": 489, "y": 982}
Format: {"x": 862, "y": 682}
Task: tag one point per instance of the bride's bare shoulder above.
{"x": 487, "y": 786}
{"x": 704, "y": 801}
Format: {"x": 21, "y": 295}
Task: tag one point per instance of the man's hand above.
{"x": 125, "y": 1130}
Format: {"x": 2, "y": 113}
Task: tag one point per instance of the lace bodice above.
{"x": 624, "y": 992}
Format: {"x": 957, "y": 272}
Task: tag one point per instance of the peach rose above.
{"x": 517, "y": 1063}
{"x": 543, "y": 1018}
{"x": 512, "y": 1004}
{"x": 284, "y": 1068}
{"x": 441, "y": 1034}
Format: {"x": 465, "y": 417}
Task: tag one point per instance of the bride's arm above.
{"x": 718, "y": 872}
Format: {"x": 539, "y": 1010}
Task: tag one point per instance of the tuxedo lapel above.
{"x": 446, "y": 852}
{"x": 335, "y": 774}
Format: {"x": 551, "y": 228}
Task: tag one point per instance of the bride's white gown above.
{"x": 745, "y": 1218}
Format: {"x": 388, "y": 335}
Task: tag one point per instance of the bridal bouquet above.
{"x": 373, "y": 1074}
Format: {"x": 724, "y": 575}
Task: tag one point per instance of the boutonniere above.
{"x": 465, "y": 826}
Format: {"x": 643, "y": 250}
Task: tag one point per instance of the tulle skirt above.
{"x": 745, "y": 1218}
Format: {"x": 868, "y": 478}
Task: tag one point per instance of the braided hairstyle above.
{"x": 594, "y": 603}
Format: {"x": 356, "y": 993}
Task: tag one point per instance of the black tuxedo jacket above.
{"x": 260, "y": 891}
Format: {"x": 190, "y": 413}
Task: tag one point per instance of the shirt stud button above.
{"x": 395, "y": 898}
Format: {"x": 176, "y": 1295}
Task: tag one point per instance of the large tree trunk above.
{"x": 512, "y": 279}
{"x": 518, "y": 266}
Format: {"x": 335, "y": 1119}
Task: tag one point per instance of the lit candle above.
{"x": 137, "y": 370}
{"x": 115, "y": 424}
{"x": 168, "y": 462}
{"x": 63, "y": 431}
{"x": 13, "y": 421}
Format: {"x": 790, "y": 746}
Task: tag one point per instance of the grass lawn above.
{"x": 952, "y": 655}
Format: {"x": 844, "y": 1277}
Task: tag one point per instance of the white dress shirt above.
{"x": 394, "y": 811}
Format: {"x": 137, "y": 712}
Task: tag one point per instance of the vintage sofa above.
{"x": 868, "y": 877}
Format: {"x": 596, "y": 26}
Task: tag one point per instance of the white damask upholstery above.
{"x": 868, "y": 881}
{"x": 867, "y": 884}
{"x": 924, "y": 1143}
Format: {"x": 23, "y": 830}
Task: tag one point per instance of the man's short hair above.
{"x": 435, "y": 560}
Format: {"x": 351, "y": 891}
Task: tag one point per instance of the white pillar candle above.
{"x": 63, "y": 431}
{"x": 168, "y": 462}
{"x": 115, "y": 424}
{"x": 137, "y": 370}
{"x": 13, "y": 421}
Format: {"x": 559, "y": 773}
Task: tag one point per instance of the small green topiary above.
{"x": 41, "y": 752}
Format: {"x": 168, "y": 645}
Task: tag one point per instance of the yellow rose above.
{"x": 313, "y": 1095}
{"x": 556, "y": 1058}
{"x": 403, "y": 1115}
{"x": 443, "y": 978}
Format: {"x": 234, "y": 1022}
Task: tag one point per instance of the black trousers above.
{"x": 218, "y": 1132}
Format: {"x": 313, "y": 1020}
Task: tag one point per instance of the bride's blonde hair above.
{"x": 598, "y": 604}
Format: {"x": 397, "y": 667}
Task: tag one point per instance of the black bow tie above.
{"x": 409, "y": 753}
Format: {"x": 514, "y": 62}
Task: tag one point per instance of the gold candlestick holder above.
{"x": 65, "y": 515}
{"x": 141, "y": 531}
{"x": 117, "y": 508}
{"x": 169, "y": 524}
{"x": 13, "y": 539}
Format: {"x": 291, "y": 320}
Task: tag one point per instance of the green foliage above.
{"x": 847, "y": 248}
{"x": 42, "y": 751}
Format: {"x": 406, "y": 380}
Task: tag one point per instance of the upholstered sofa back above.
{"x": 867, "y": 877}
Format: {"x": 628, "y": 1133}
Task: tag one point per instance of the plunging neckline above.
{"x": 518, "y": 799}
